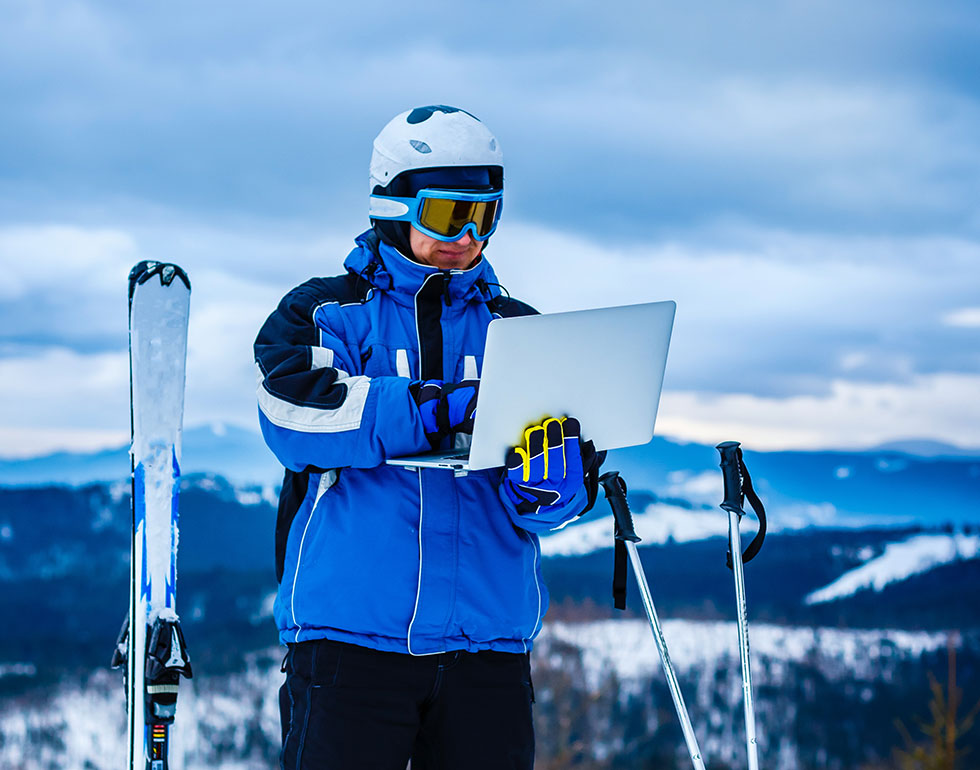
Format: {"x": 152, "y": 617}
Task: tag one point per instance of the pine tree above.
{"x": 937, "y": 749}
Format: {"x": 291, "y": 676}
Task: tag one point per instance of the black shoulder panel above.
{"x": 347, "y": 289}
{"x": 508, "y": 307}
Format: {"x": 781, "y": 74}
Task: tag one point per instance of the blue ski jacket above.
{"x": 404, "y": 560}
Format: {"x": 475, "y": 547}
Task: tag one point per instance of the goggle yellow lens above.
{"x": 448, "y": 217}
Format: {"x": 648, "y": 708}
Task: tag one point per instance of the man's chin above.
{"x": 460, "y": 261}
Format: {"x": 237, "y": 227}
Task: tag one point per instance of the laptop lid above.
{"x": 603, "y": 366}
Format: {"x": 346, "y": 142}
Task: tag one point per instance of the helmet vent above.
{"x": 422, "y": 147}
{"x": 493, "y": 145}
{"x": 422, "y": 114}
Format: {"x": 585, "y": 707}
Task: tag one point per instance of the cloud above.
{"x": 768, "y": 313}
{"x": 787, "y": 339}
{"x": 621, "y": 124}
{"x": 61, "y": 399}
{"x": 63, "y": 285}
{"x": 967, "y": 317}
{"x": 801, "y": 178}
{"x": 852, "y": 415}
{"x": 64, "y": 369}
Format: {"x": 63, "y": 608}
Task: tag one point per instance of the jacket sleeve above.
{"x": 314, "y": 409}
{"x": 548, "y": 517}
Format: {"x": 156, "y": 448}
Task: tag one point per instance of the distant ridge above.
{"x": 238, "y": 454}
{"x": 921, "y": 447}
{"x": 884, "y": 486}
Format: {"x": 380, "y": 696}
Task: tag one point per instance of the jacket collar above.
{"x": 388, "y": 270}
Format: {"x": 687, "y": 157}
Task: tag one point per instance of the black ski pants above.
{"x": 345, "y": 707}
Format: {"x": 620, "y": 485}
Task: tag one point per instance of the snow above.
{"x": 627, "y": 648}
{"x": 265, "y": 609}
{"x": 81, "y": 726}
{"x": 248, "y": 496}
{"x": 158, "y": 345}
{"x": 704, "y": 487}
{"x": 119, "y": 489}
{"x": 17, "y": 669}
{"x": 231, "y": 722}
{"x": 898, "y": 562}
{"x": 891, "y": 464}
{"x": 271, "y": 495}
{"x": 659, "y": 523}
{"x": 160, "y": 528}
{"x": 252, "y": 495}
{"x": 209, "y": 483}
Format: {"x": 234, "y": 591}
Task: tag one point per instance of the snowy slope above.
{"x": 656, "y": 525}
{"x": 900, "y": 561}
{"x": 231, "y": 722}
{"x": 627, "y": 648}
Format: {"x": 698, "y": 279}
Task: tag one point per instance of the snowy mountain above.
{"x": 816, "y": 488}
{"x": 682, "y": 543}
{"x": 925, "y": 448}
{"x": 226, "y": 450}
{"x": 899, "y": 562}
{"x": 601, "y": 698}
{"x": 826, "y": 489}
{"x": 657, "y": 523}
{"x": 601, "y": 701}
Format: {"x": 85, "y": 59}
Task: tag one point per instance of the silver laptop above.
{"x": 605, "y": 367}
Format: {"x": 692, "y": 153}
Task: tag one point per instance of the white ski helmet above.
{"x": 433, "y": 137}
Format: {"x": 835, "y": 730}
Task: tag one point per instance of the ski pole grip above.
{"x": 615, "y": 489}
{"x": 734, "y": 495}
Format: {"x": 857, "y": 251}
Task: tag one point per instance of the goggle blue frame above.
{"x": 415, "y": 206}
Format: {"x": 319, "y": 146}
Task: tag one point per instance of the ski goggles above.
{"x": 446, "y": 215}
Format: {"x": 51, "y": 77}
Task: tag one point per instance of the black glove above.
{"x": 445, "y": 407}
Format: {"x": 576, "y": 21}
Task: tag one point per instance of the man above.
{"x": 408, "y": 598}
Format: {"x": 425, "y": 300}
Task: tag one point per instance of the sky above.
{"x": 802, "y": 178}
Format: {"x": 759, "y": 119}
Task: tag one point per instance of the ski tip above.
{"x": 167, "y": 272}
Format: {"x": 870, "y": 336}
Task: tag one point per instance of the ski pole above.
{"x": 738, "y": 485}
{"x": 615, "y": 489}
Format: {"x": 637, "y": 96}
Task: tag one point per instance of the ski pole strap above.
{"x": 738, "y": 487}
{"x": 615, "y": 489}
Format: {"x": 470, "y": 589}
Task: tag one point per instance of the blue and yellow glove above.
{"x": 547, "y": 470}
{"x": 445, "y": 407}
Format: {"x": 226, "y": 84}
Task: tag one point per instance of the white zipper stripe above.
{"x": 418, "y": 592}
{"x": 537, "y": 586}
{"x": 299, "y": 558}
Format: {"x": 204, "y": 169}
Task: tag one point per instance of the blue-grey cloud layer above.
{"x": 634, "y": 118}
{"x": 804, "y": 178}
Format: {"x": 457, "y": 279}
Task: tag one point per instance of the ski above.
{"x": 151, "y": 646}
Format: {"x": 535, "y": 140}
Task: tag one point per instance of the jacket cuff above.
{"x": 549, "y": 517}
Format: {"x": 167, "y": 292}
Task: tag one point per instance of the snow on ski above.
{"x": 151, "y": 643}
